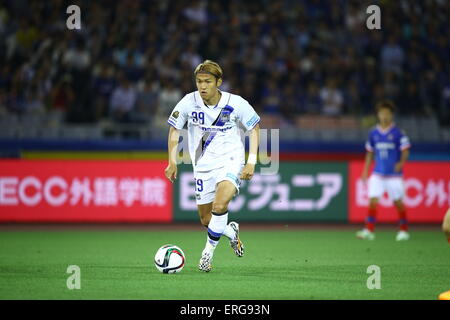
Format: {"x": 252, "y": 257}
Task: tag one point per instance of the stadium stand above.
{"x": 311, "y": 68}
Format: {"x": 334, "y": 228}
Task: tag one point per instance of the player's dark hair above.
{"x": 385, "y": 104}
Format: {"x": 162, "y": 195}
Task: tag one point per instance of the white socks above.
{"x": 216, "y": 228}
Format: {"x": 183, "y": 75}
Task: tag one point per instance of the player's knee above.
{"x": 219, "y": 207}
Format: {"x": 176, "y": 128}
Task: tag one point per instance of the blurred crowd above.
{"x": 132, "y": 61}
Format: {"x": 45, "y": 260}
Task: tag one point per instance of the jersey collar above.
{"x": 222, "y": 101}
{"x": 384, "y": 131}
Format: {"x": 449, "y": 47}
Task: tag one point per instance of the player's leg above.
{"x": 231, "y": 174}
{"x": 375, "y": 191}
{"x": 222, "y": 199}
{"x": 395, "y": 189}
{"x": 204, "y": 213}
{"x": 204, "y": 195}
{"x": 368, "y": 233}
{"x": 372, "y": 214}
{"x": 402, "y": 233}
{"x": 446, "y": 225}
{"x": 225, "y": 191}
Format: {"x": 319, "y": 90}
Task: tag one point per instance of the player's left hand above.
{"x": 398, "y": 167}
{"x": 247, "y": 172}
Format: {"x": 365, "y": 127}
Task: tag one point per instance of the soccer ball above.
{"x": 169, "y": 259}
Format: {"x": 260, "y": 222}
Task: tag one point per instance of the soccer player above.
{"x": 217, "y": 152}
{"x": 446, "y": 225}
{"x": 389, "y": 146}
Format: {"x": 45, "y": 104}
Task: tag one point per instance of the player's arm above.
{"x": 172, "y": 144}
{"x": 404, "y": 147}
{"x": 249, "y": 169}
{"x": 367, "y": 162}
{"x": 369, "y": 157}
{"x": 399, "y": 165}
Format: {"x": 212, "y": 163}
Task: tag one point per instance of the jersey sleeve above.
{"x": 370, "y": 146}
{"x": 247, "y": 115}
{"x": 404, "y": 141}
{"x": 179, "y": 115}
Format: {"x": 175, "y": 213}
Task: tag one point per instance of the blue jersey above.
{"x": 387, "y": 146}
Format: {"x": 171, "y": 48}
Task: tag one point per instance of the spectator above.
{"x": 147, "y": 99}
{"x": 312, "y": 103}
{"x": 78, "y": 57}
{"x": 271, "y": 98}
{"x": 123, "y": 100}
{"x": 392, "y": 55}
{"x": 131, "y": 71}
{"x": 332, "y": 98}
{"x": 168, "y": 97}
{"x": 353, "y": 100}
{"x": 62, "y": 96}
{"x": 25, "y": 36}
{"x": 411, "y": 100}
{"x": 33, "y": 103}
{"x": 190, "y": 57}
{"x": 196, "y": 12}
{"x": 103, "y": 86}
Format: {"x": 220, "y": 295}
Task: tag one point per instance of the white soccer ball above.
{"x": 169, "y": 259}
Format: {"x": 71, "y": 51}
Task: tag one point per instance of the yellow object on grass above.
{"x": 445, "y": 295}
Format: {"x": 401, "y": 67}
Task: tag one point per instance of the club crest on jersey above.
{"x": 175, "y": 114}
{"x": 225, "y": 117}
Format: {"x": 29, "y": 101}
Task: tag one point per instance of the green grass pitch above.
{"x": 278, "y": 264}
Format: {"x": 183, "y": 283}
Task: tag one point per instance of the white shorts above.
{"x": 206, "y": 181}
{"x": 393, "y": 185}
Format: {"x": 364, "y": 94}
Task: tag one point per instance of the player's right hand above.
{"x": 171, "y": 172}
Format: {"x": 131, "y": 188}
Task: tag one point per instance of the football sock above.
{"x": 228, "y": 232}
{"x": 370, "y": 221}
{"x": 216, "y": 228}
{"x": 403, "y": 222}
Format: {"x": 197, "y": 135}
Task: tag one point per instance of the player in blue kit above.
{"x": 389, "y": 147}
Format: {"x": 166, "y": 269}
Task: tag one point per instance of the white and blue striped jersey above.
{"x": 214, "y": 134}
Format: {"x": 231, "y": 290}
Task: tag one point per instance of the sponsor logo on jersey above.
{"x": 385, "y": 145}
{"x": 214, "y": 129}
{"x": 197, "y": 196}
{"x": 175, "y": 114}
